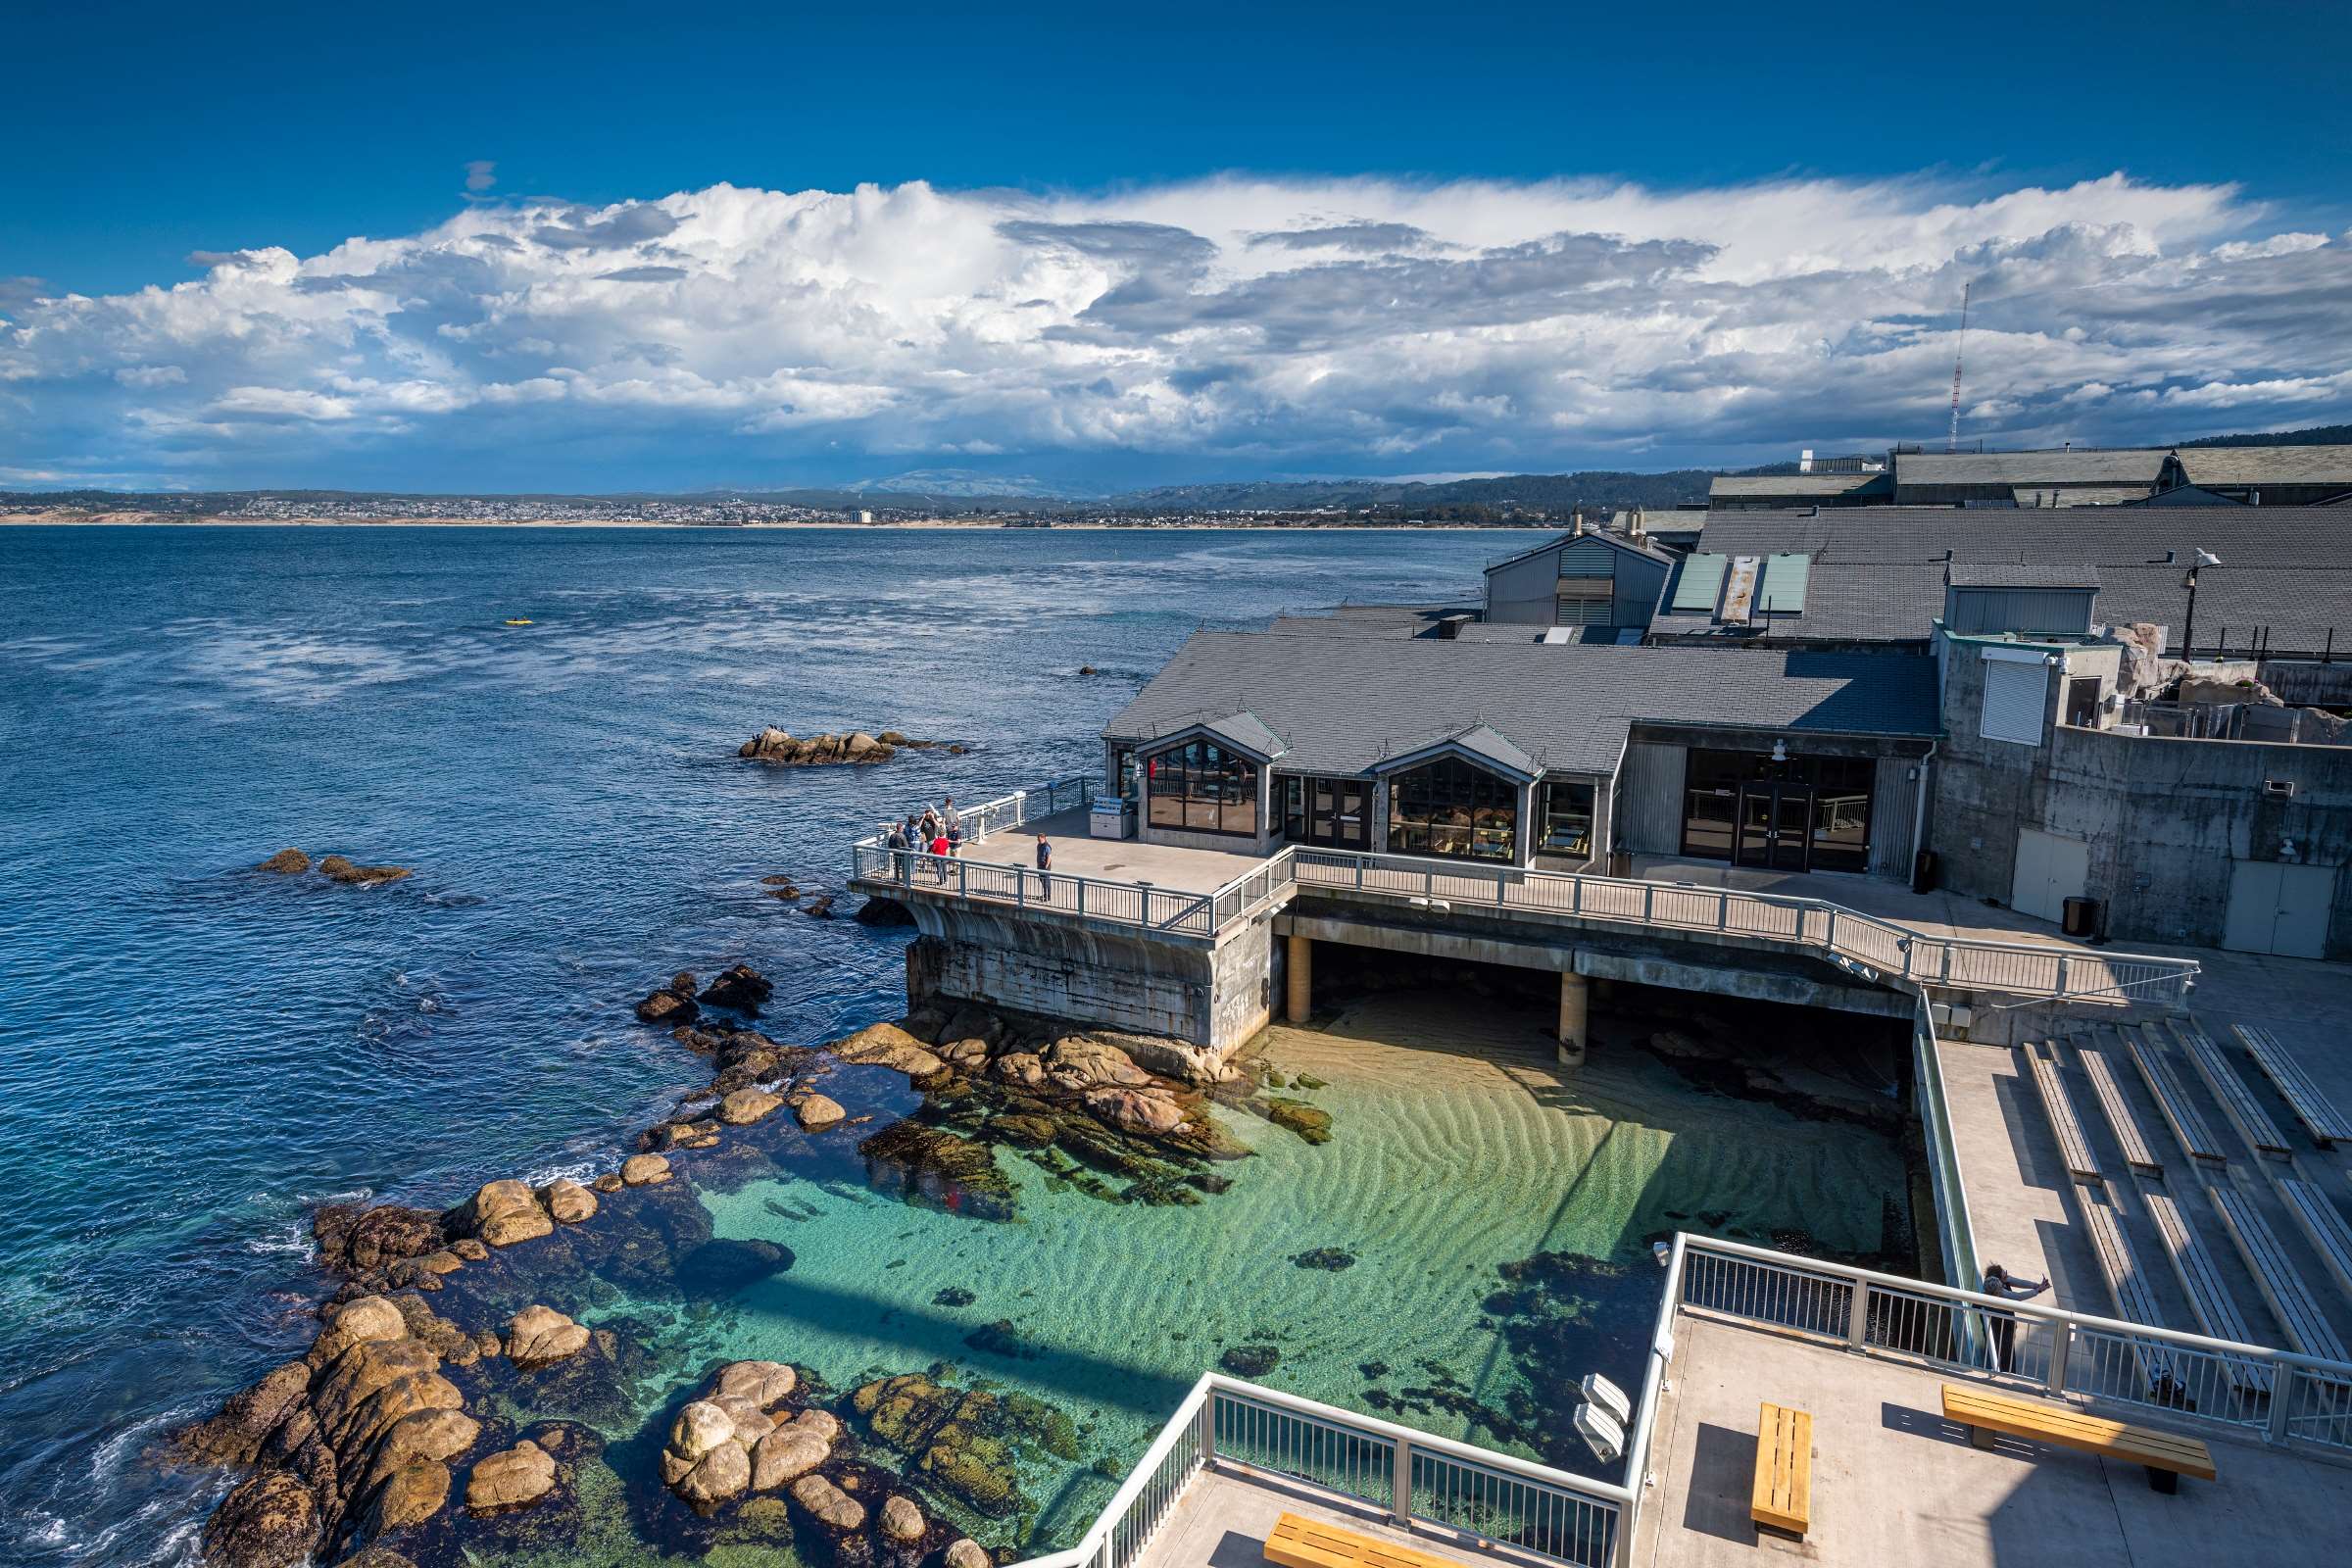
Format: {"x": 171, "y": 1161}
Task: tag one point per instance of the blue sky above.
{"x": 1126, "y": 167}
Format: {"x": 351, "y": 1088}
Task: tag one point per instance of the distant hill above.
{"x": 1534, "y": 492}
{"x": 2319, "y": 435}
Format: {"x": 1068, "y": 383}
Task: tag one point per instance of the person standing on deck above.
{"x": 899, "y": 845}
{"x": 952, "y": 821}
{"x": 1998, "y": 1281}
{"x": 1044, "y": 864}
{"x": 939, "y": 857}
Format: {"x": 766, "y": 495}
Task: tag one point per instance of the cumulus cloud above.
{"x": 1228, "y": 326}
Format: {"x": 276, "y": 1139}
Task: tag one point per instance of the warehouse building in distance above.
{"x": 2062, "y": 476}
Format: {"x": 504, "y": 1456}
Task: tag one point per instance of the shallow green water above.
{"x": 1458, "y": 1147}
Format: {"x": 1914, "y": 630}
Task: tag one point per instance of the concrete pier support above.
{"x": 1298, "y": 997}
{"x": 1573, "y": 1018}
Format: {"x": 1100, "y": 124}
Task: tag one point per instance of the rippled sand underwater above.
{"x": 1458, "y": 1146}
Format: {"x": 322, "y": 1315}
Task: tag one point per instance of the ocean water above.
{"x": 193, "y": 1054}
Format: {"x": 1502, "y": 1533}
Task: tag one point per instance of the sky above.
{"x": 606, "y": 248}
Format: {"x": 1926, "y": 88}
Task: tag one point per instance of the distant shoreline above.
{"x": 152, "y": 519}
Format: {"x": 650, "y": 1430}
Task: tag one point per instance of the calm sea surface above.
{"x": 193, "y": 1054}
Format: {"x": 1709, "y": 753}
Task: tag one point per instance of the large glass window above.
{"x": 1794, "y": 814}
{"x": 1124, "y": 771}
{"x": 1202, "y": 788}
{"x": 1450, "y": 808}
{"x": 1566, "y": 825}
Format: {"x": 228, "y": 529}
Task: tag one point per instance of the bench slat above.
{"x": 2298, "y": 1315}
{"x": 2238, "y": 1104}
{"x": 2201, "y": 1282}
{"x": 2180, "y": 1113}
{"x": 2319, "y": 1220}
{"x": 2118, "y": 1111}
{"x": 2073, "y": 1148}
{"x": 2076, "y": 1429}
{"x": 2319, "y": 1116}
{"x": 1783, "y": 1495}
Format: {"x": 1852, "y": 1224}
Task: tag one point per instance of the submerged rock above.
{"x": 747, "y": 1105}
{"x": 1250, "y": 1360}
{"x": 353, "y": 1238}
{"x": 511, "y": 1478}
{"x": 338, "y": 868}
{"x": 1300, "y": 1117}
{"x": 286, "y": 863}
{"x": 816, "y": 1112}
{"x": 540, "y": 1336}
{"x": 831, "y": 1507}
{"x": 1328, "y": 1258}
{"x": 928, "y": 1163}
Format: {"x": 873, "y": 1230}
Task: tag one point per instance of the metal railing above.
{"x": 1875, "y": 948}
{"x": 1958, "y": 1233}
{"x": 2293, "y": 1401}
{"x": 1413, "y": 1476}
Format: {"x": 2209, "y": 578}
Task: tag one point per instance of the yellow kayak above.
{"x": 519, "y": 623}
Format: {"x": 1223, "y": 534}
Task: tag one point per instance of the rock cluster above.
{"x": 965, "y": 1442}
{"x": 737, "y": 1436}
{"x": 334, "y": 867}
{"x": 773, "y": 744}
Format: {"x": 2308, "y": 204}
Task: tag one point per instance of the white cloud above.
{"x": 1233, "y": 325}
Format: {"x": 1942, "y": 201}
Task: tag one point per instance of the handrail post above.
{"x": 1650, "y": 895}
{"x": 1400, "y": 1485}
{"x": 1857, "y": 1321}
{"x": 1576, "y": 895}
{"x": 1829, "y": 939}
{"x": 2065, "y": 964}
{"x": 2060, "y": 1353}
{"x": 1081, "y": 894}
{"x": 964, "y": 879}
{"x": 2283, "y": 1399}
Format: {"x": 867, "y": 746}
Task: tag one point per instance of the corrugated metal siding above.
{"x": 1972, "y": 610}
{"x": 1649, "y": 799}
{"x": 1893, "y": 817}
{"x": 1524, "y": 592}
{"x": 1638, "y": 585}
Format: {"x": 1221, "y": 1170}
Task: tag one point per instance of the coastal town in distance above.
{"x": 1049, "y": 788}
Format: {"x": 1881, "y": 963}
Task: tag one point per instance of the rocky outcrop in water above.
{"x": 338, "y": 868}
{"x": 673, "y": 1003}
{"x": 286, "y": 863}
{"x": 511, "y": 1480}
{"x": 856, "y": 746}
{"x": 540, "y": 1336}
{"x": 727, "y": 1441}
{"x": 740, "y": 988}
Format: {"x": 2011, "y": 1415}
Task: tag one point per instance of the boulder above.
{"x": 609, "y": 1182}
{"x": 779, "y": 748}
{"x": 355, "y": 1239}
{"x": 741, "y": 988}
{"x": 972, "y": 1021}
{"x": 819, "y": 908}
{"x": 816, "y": 1112}
{"x": 786, "y": 1455}
{"x": 270, "y": 1520}
{"x": 1021, "y": 1068}
{"x": 747, "y": 1105}
{"x": 667, "y": 1008}
{"x": 966, "y": 1552}
{"x": 361, "y": 1319}
{"x": 1168, "y": 1057}
{"x": 1135, "y": 1110}
{"x": 889, "y": 1046}
{"x": 722, "y": 1473}
{"x": 964, "y": 1055}
{"x": 425, "y": 1435}
{"x": 502, "y": 1213}
{"x": 336, "y": 868}
{"x": 1300, "y": 1117}
{"x": 766, "y": 1383}
{"x": 235, "y": 1436}
{"x": 567, "y": 1201}
{"x": 645, "y": 1170}
{"x": 286, "y": 863}
{"x": 409, "y": 1496}
{"x": 902, "y": 1521}
{"x": 1078, "y": 1062}
{"x": 828, "y": 1504}
{"x": 702, "y": 1426}
{"x": 511, "y": 1479}
{"x": 540, "y": 1336}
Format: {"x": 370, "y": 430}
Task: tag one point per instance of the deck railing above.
{"x": 1413, "y": 1476}
{"x": 1874, "y": 948}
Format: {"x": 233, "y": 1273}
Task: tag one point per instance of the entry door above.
{"x": 2050, "y": 869}
{"x": 1339, "y": 813}
{"x": 2277, "y": 907}
{"x": 1776, "y": 825}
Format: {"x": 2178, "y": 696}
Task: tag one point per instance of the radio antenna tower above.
{"x": 1951, "y": 442}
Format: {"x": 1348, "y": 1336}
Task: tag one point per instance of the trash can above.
{"x": 2084, "y": 916}
{"x": 1621, "y": 863}
{"x": 1924, "y": 870}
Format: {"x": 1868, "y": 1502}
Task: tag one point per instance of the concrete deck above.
{"x": 1111, "y": 860}
{"x": 1894, "y": 1483}
{"x": 1224, "y": 1519}
{"x": 1942, "y": 915}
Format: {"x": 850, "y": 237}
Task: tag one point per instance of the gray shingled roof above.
{"x": 2021, "y": 575}
{"x": 2261, "y": 465}
{"x": 1621, "y": 540}
{"x": 1245, "y": 730}
{"x": 2289, "y": 569}
{"x": 1788, "y": 484}
{"x": 2136, "y": 465}
{"x": 1482, "y": 741}
{"x": 1344, "y": 703}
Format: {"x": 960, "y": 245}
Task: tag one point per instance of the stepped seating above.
{"x": 2299, "y": 1317}
{"x": 2180, "y": 1113}
{"x": 2118, "y": 1111}
{"x": 2200, "y": 1276}
{"x": 2319, "y": 1220}
{"x": 2128, "y": 1286}
{"x": 2238, "y": 1104}
{"x": 2326, "y": 1124}
{"x": 2042, "y": 1061}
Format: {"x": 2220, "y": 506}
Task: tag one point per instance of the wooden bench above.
{"x": 2238, "y": 1104}
{"x": 2167, "y": 1456}
{"x": 2073, "y": 1148}
{"x": 1298, "y": 1542}
{"x": 2299, "y": 1316}
{"x": 1783, "y": 1492}
{"x": 2201, "y": 1282}
{"x": 2180, "y": 1113}
{"x": 2318, "y": 1115}
{"x": 2319, "y": 1220}
{"x": 2118, "y": 1111}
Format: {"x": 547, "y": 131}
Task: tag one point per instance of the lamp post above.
{"x": 2188, "y": 637}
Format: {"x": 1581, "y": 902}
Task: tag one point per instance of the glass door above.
{"x": 1776, "y": 825}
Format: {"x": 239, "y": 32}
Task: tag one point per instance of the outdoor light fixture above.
{"x": 2198, "y": 561}
{"x": 1663, "y": 1251}
{"x": 1780, "y": 751}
